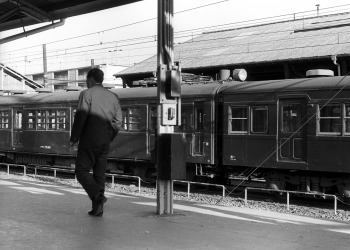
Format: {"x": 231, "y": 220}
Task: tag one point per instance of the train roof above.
{"x": 40, "y": 98}
{"x": 192, "y": 90}
{"x": 288, "y": 85}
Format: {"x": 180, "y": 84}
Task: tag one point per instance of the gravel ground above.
{"x": 342, "y": 215}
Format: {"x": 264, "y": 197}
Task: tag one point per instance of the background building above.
{"x": 279, "y": 50}
{"x": 58, "y": 80}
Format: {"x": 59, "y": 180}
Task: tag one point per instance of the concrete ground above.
{"x": 47, "y": 216}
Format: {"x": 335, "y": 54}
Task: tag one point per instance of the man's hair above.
{"x": 96, "y": 74}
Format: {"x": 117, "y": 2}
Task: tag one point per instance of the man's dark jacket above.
{"x": 98, "y": 117}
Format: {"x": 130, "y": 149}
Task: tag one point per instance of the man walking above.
{"x": 96, "y": 123}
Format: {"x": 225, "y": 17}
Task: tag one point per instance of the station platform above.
{"x": 48, "y": 216}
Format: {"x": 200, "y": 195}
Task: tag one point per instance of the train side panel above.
{"x": 249, "y": 130}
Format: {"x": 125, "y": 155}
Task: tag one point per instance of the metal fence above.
{"x": 290, "y": 192}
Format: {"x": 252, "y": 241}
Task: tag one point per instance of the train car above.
{"x": 132, "y": 149}
{"x": 35, "y": 129}
{"x": 295, "y": 133}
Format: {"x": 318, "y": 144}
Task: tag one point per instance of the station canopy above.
{"x": 21, "y": 13}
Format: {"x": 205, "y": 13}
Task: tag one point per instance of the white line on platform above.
{"x": 39, "y": 184}
{"x": 37, "y": 190}
{"x": 9, "y": 183}
{"x": 275, "y": 215}
{"x": 344, "y": 231}
{"x": 206, "y": 211}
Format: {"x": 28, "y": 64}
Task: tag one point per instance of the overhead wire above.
{"x": 151, "y": 36}
{"x": 140, "y": 42}
{"x": 154, "y": 37}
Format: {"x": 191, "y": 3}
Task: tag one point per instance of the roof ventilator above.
{"x": 319, "y": 73}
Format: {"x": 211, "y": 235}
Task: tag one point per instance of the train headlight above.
{"x": 239, "y": 75}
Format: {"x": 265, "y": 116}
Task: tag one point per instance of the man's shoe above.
{"x": 97, "y": 212}
{"x": 97, "y": 205}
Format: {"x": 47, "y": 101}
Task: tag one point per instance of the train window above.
{"x": 291, "y": 117}
{"x": 347, "y": 118}
{"x": 41, "y": 120}
{"x": 329, "y": 118}
{"x": 31, "y": 120}
{"x": 56, "y": 119}
{"x": 4, "y": 119}
{"x": 238, "y": 119}
{"x": 259, "y": 119}
{"x": 18, "y": 120}
{"x": 51, "y": 120}
{"x": 132, "y": 119}
{"x": 47, "y": 119}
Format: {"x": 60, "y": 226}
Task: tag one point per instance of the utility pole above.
{"x": 170, "y": 147}
{"x": 45, "y": 65}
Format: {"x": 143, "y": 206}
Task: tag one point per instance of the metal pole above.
{"x": 188, "y": 190}
{"x": 246, "y": 196}
{"x": 112, "y": 181}
{"x": 335, "y": 204}
{"x": 139, "y": 186}
{"x": 165, "y": 58}
{"x": 8, "y": 169}
{"x": 2, "y": 78}
{"x": 45, "y": 65}
{"x": 287, "y": 201}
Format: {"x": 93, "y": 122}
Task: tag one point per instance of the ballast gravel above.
{"x": 324, "y": 213}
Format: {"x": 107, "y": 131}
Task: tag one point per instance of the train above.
{"x": 292, "y": 133}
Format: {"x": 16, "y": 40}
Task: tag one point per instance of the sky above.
{"x": 126, "y": 35}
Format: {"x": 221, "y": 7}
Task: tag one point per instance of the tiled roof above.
{"x": 288, "y": 40}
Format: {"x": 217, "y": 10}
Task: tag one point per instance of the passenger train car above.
{"x": 294, "y": 133}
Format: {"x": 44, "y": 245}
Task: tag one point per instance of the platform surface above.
{"x": 47, "y": 216}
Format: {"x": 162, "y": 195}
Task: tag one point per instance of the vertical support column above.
{"x": 164, "y": 197}
{"x": 188, "y": 190}
{"x": 45, "y": 65}
{"x": 165, "y": 59}
{"x": 2, "y": 78}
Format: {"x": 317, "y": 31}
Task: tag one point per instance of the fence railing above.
{"x": 201, "y": 183}
{"x": 290, "y": 192}
{"x": 113, "y": 176}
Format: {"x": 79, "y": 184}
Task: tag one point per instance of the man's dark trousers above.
{"x": 94, "y": 158}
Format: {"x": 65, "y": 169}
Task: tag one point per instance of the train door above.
{"x": 198, "y": 129}
{"x": 292, "y": 130}
{"x": 152, "y": 127}
{"x": 17, "y": 128}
